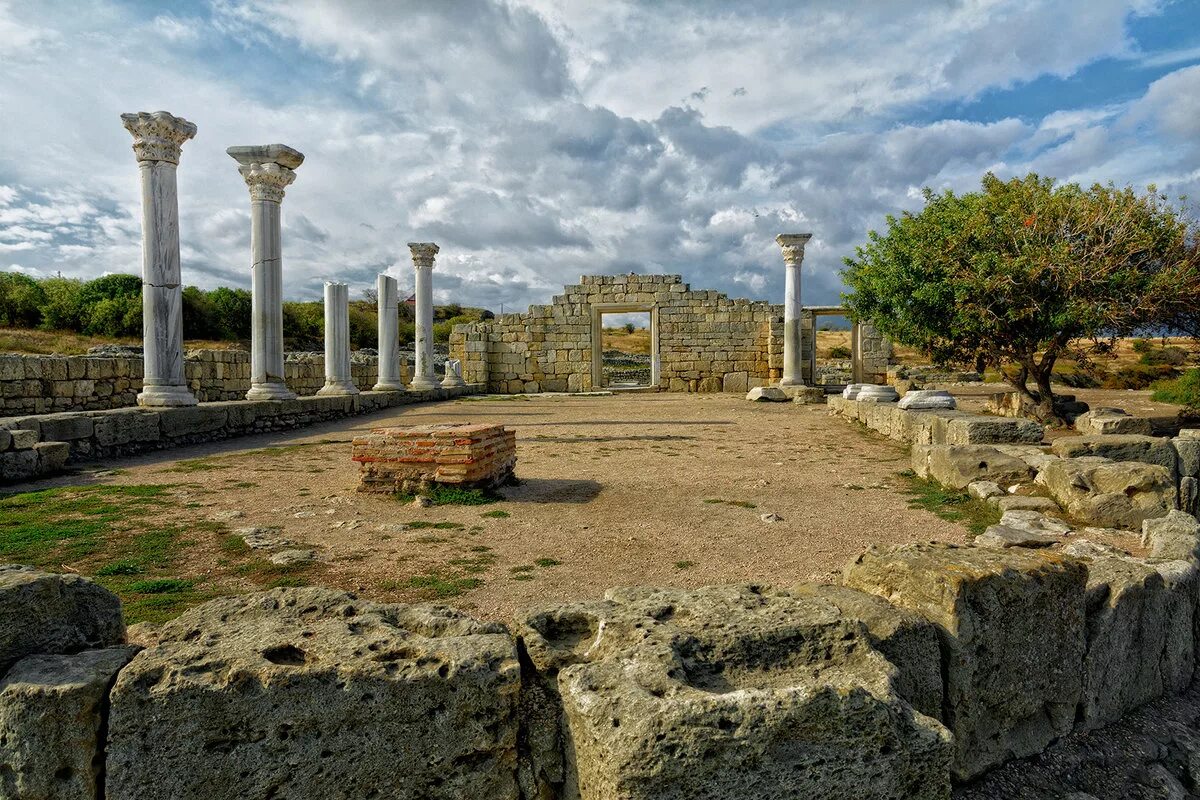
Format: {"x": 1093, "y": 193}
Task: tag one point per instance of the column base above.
{"x": 337, "y": 390}
{"x": 423, "y": 384}
{"x": 270, "y": 391}
{"x": 790, "y": 382}
{"x": 388, "y": 386}
{"x": 166, "y": 396}
{"x": 452, "y": 382}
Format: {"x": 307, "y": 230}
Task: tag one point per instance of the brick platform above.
{"x": 411, "y": 459}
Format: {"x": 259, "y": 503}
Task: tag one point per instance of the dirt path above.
{"x": 614, "y": 491}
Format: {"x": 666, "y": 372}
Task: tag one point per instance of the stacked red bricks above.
{"x": 410, "y": 460}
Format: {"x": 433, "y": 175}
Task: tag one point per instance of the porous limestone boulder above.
{"x": 1174, "y": 536}
{"x": 1116, "y": 494}
{"x": 983, "y": 490}
{"x": 1006, "y": 536}
{"x": 739, "y": 692}
{"x": 1187, "y": 449}
{"x": 959, "y": 428}
{"x": 42, "y": 612}
{"x": 957, "y": 466}
{"x": 918, "y": 399}
{"x": 1140, "y": 641}
{"x": 1011, "y": 623}
{"x": 767, "y": 394}
{"x": 52, "y": 710}
{"x": 1119, "y": 447}
{"x": 314, "y": 693}
{"x": 1111, "y": 421}
{"x": 1020, "y": 502}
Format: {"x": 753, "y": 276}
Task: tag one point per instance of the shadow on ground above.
{"x": 551, "y": 490}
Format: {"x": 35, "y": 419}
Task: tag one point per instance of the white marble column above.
{"x": 337, "y": 341}
{"x": 422, "y": 256}
{"x": 157, "y": 140}
{"x": 793, "y": 256}
{"x": 453, "y": 376}
{"x": 267, "y": 169}
{"x": 388, "y": 306}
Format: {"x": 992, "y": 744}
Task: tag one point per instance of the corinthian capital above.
{"x": 268, "y": 169}
{"x": 423, "y": 253}
{"x": 158, "y": 136}
{"x": 793, "y": 247}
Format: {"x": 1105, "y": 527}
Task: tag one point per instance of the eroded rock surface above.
{"x": 51, "y": 722}
{"x": 734, "y": 692}
{"x": 313, "y": 693}
{"x": 41, "y": 612}
{"x": 1011, "y": 623}
{"x": 1108, "y": 493}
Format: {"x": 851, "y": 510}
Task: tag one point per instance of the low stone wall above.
{"x": 49, "y": 384}
{"x": 41, "y": 445}
{"x": 936, "y": 426}
{"x": 928, "y": 665}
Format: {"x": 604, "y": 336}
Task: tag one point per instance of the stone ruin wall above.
{"x": 49, "y": 384}
{"x": 928, "y": 666}
{"x": 707, "y": 342}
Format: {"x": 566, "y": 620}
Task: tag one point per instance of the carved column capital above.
{"x": 423, "y": 254}
{"x": 267, "y": 169}
{"x": 266, "y": 181}
{"x": 158, "y": 136}
{"x": 793, "y": 247}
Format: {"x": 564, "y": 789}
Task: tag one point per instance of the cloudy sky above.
{"x": 537, "y": 140}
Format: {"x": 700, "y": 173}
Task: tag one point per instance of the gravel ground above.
{"x": 618, "y": 490}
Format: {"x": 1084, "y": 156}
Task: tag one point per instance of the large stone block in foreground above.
{"x": 730, "y": 692}
{"x": 52, "y": 710}
{"x": 1116, "y": 494}
{"x": 42, "y": 612}
{"x": 313, "y": 693}
{"x": 1012, "y": 630}
{"x": 410, "y": 460}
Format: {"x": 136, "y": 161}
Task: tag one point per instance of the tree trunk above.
{"x": 1045, "y": 411}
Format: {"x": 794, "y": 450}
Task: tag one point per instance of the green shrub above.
{"x": 63, "y": 306}
{"x": 1139, "y": 376}
{"x": 840, "y": 351}
{"x": 1184, "y": 390}
{"x": 1170, "y": 356}
{"x": 21, "y": 300}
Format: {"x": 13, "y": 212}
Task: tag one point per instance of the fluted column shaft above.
{"x": 337, "y": 341}
{"x": 423, "y": 254}
{"x": 388, "y": 306}
{"x": 793, "y": 257}
{"x": 267, "y": 171}
{"x": 157, "y": 141}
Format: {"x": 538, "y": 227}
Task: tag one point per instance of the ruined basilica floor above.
{"x": 664, "y": 489}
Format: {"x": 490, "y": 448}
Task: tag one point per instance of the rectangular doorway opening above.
{"x": 626, "y": 350}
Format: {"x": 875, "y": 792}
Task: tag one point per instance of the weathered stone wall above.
{"x": 929, "y": 665}
{"x": 707, "y": 342}
{"x": 44, "y": 444}
{"x": 49, "y": 384}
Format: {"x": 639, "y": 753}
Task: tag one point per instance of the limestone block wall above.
{"x": 706, "y": 341}
{"x": 875, "y": 354}
{"x": 50, "y": 384}
{"x": 957, "y": 658}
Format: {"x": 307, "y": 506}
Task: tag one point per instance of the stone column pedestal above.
{"x": 388, "y": 306}
{"x": 423, "y": 254}
{"x": 453, "y": 377}
{"x": 337, "y": 341}
{"x": 793, "y": 256}
{"x": 157, "y": 141}
{"x": 268, "y": 170}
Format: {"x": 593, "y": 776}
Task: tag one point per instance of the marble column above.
{"x": 793, "y": 256}
{"x": 267, "y": 169}
{"x": 157, "y": 140}
{"x": 422, "y": 256}
{"x": 453, "y": 377}
{"x": 388, "y": 306}
{"x": 337, "y": 341}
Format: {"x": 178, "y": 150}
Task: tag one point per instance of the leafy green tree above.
{"x": 1024, "y": 272}
{"x": 231, "y": 308}
{"x": 63, "y": 306}
{"x": 21, "y": 300}
{"x": 112, "y": 306}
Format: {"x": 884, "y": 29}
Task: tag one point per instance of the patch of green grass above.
{"x": 439, "y": 585}
{"x": 547, "y": 562}
{"x": 161, "y": 586}
{"x": 196, "y": 465}
{"x": 521, "y": 568}
{"x": 949, "y": 504}
{"x": 421, "y": 524}
{"x": 441, "y": 495}
{"x": 234, "y": 545}
{"x": 244, "y": 485}
{"x": 120, "y": 568}
{"x": 496, "y": 514}
{"x": 682, "y": 565}
{"x": 523, "y": 576}
{"x": 427, "y": 538}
